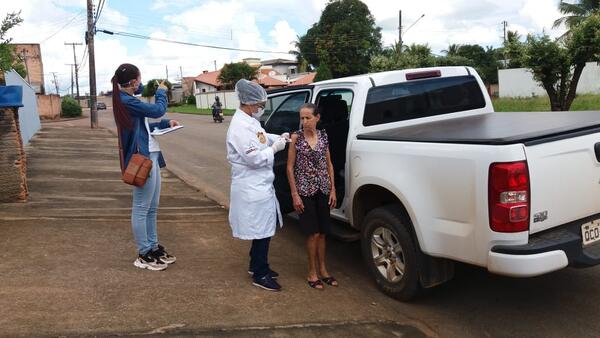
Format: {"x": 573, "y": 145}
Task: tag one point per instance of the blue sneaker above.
{"x": 272, "y": 273}
{"x": 266, "y": 283}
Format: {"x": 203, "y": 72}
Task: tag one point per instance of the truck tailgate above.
{"x": 564, "y": 180}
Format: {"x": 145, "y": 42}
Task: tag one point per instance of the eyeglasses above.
{"x": 261, "y": 105}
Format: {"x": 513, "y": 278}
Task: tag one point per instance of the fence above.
{"x": 519, "y": 82}
{"x": 228, "y": 98}
{"x": 29, "y": 119}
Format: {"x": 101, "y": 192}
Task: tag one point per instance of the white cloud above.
{"x": 284, "y": 36}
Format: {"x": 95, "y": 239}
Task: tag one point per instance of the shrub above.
{"x": 191, "y": 99}
{"x": 70, "y": 107}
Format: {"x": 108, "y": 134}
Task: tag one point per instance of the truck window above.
{"x": 285, "y": 115}
{"x": 422, "y": 98}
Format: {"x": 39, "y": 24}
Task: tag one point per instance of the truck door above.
{"x": 282, "y": 113}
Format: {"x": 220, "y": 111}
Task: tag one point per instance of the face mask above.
{"x": 258, "y": 113}
{"x": 139, "y": 89}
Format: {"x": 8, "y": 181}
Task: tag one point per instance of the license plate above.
{"x": 590, "y": 232}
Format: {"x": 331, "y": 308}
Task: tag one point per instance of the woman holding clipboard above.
{"x": 131, "y": 117}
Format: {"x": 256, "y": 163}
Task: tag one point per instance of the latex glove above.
{"x": 278, "y": 145}
{"x": 286, "y": 136}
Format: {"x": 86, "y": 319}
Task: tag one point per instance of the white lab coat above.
{"x": 253, "y": 210}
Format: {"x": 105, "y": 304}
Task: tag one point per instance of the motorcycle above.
{"x": 217, "y": 114}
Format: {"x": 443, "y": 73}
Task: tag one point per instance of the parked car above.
{"x": 100, "y": 105}
{"x": 428, "y": 174}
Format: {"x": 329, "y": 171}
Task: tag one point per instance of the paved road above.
{"x": 474, "y": 304}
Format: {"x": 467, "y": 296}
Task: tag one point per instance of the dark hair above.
{"x": 315, "y": 110}
{"x": 123, "y": 76}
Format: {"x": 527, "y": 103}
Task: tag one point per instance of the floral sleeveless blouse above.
{"x": 310, "y": 169}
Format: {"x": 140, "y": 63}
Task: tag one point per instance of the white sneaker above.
{"x": 163, "y": 255}
{"x": 150, "y": 262}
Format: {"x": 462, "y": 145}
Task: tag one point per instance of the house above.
{"x": 207, "y": 82}
{"x": 282, "y": 66}
{"x": 31, "y": 56}
{"x": 188, "y": 85}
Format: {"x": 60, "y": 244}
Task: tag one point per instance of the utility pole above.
{"x": 72, "y": 84}
{"x": 55, "y": 82}
{"x": 215, "y": 65}
{"x": 25, "y": 56}
{"x": 91, "y": 31}
{"x": 400, "y": 29}
{"x": 181, "y": 74}
{"x": 167, "y": 71}
{"x": 75, "y": 62}
{"x": 504, "y": 23}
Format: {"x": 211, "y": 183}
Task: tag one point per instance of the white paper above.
{"x": 158, "y": 132}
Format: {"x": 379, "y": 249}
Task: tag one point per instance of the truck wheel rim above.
{"x": 387, "y": 254}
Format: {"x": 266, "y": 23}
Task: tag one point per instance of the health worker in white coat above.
{"x": 253, "y": 211}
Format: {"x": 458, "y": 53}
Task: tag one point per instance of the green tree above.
{"x": 323, "y": 73}
{"x": 452, "y": 50}
{"x": 557, "y": 66}
{"x": 233, "y": 72}
{"x": 576, "y": 13}
{"x": 345, "y": 38}
{"x": 413, "y": 56}
{"x": 8, "y": 58}
{"x": 514, "y": 50}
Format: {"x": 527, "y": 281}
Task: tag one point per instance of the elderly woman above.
{"x": 254, "y": 210}
{"x": 310, "y": 175}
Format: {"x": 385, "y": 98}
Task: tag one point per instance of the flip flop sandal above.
{"x": 330, "y": 281}
{"x": 316, "y": 284}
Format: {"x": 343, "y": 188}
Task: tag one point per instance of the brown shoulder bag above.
{"x": 139, "y": 166}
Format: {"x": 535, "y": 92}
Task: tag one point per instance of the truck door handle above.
{"x": 597, "y": 151}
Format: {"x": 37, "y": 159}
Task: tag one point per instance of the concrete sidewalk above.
{"x": 67, "y": 254}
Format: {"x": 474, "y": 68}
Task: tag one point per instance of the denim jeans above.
{"x": 143, "y": 212}
{"x": 259, "y": 257}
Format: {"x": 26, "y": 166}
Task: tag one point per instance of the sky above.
{"x": 264, "y": 25}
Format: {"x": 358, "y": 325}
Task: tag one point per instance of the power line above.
{"x": 99, "y": 11}
{"x": 139, "y": 36}
{"x": 63, "y": 27}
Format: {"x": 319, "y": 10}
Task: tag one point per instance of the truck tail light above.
{"x": 508, "y": 198}
{"x": 423, "y": 75}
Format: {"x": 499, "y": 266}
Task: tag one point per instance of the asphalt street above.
{"x": 475, "y": 303}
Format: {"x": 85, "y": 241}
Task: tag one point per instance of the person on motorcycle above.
{"x": 216, "y": 110}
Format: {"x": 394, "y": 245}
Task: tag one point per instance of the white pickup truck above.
{"x": 428, "y": 174}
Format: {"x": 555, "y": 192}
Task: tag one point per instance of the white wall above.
{"x": 29, "y": 118}
{"x": 203, "y": 87}
{"x": 518, "y": 82}
{"x": 227, "y": 97}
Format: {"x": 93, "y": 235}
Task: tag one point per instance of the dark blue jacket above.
{"x": 138, "y": 110}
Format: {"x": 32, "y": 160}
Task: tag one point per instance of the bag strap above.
{"x": 137, "y": 144}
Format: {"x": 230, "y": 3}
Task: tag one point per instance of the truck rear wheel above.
{"x": 390, "y": 253}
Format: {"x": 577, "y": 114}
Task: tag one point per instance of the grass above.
{"x": 191, "y": 109}
{"x": 542, "y": 103}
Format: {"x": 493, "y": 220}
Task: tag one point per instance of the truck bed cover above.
{"x": 496, "y": 128}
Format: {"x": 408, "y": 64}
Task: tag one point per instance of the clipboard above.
{"x": 158, "y": 132}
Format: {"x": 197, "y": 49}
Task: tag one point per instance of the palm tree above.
{"x": 452, "y": 49}
{"x": 576, "y": 13}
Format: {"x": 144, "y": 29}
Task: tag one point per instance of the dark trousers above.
{"x": 259, "y": 257}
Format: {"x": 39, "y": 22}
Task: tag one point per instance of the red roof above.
{"x": 268, "y": 81}
{"x": 210, "y": 78}
{"x": 308, "y": 79}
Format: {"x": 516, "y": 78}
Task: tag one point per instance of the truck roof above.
{"x": 395, "y": 76}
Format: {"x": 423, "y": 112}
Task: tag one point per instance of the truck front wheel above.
{"x": 390, "y": 253}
